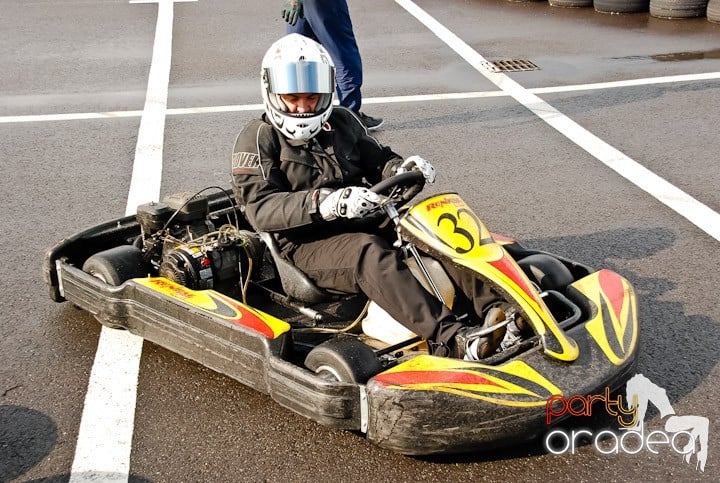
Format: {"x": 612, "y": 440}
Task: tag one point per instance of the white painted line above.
{"x": 679, "y": 201}
{"x": 372, "y": 100}
{"x": 105, "y": 437}
{"x": 214, "y": 109}
{"x": 104, "y": 441}
{"x": 77, "y": 116}
{"x": 669, "y": 79}
{"x": 147, "y": 168}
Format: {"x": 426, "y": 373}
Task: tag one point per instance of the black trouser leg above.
{"x": 476, "y": 291}
{"x": 362, "y": 262}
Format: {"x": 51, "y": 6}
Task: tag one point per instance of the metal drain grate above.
{"x": 514, "y": 65}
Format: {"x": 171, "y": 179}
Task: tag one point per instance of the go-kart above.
{"x": 190, "y": 275}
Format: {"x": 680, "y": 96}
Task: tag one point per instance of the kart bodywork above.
{"x": 584, "y": 337}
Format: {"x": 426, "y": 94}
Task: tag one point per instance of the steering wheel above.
{"x": 410, "y": 183}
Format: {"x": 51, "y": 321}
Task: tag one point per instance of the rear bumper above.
{"x": 243, "y": 354}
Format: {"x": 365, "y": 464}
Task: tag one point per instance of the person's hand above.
{"x": 417, "y": 163}
{"x": 350, "y": 202}
{"x": 292, "y": 11}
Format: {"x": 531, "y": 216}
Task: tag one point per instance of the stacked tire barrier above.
{"x": 667, "y": 9}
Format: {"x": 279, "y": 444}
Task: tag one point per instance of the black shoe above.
{"x": 371, "y": 123}
{"x": 471, "y": 346}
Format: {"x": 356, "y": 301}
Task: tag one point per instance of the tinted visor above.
{"x": 300, "y": 77}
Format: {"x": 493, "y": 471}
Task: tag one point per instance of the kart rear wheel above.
{"x": 117, "y": 265}
{"x": 344, "y": 359}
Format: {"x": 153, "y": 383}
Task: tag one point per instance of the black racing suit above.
{"x": 280, "y": 184}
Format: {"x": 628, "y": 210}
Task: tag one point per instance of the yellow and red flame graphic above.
{"x": 218, "y": 305}
{"x": 512, "y": 384}
{"x": 511, "y": 270}
{"x": 614, "y": 326}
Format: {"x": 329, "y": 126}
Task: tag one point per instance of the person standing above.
{"x": 328, "y": 22}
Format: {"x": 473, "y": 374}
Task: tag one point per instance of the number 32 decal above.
{"x": 458, "y": 230}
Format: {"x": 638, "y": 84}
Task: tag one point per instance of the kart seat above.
{"x": 296, "y": 284}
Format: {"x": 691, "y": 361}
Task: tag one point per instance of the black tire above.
{"x": 547, "y": 271}
{"x": 571, "y": 3}
{"x": 678, "y": 8}
{"x": 713, "y": 11}
{"x": 621, "y": 6}
{"x": 117, "y": 265}
{"x": 344, "y": 359}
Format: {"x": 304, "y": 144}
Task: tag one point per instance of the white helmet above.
{"x": 297, "y": 65}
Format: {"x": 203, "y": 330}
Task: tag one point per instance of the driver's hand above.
{"x": 415, "y": 162}
{"x": 350, "y": 202}
{"x": 292, "y": 10}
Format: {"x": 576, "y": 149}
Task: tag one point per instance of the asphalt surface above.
{"x": 523, "y": 178}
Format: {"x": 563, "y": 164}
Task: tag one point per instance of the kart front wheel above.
{"x": 344, "y": 359}
{"x": 117, "y": 265}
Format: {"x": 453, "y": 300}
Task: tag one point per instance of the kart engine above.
{"x": 184, "y": 245}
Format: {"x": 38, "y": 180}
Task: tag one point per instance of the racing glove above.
{"x": 292, "y": 11}
{"x": 417, "y": 163}
{"x": 350, "y": 202}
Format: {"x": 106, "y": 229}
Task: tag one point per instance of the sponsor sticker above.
{"x": 245, "y": 163}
